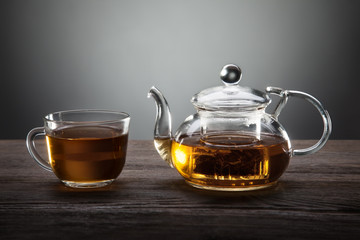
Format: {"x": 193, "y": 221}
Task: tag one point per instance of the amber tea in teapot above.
{"x": 233, "y": 159}
{"x": 231, "y": 143}
{"x": 236, "y": 160}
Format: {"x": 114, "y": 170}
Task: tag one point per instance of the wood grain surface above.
{"x": 317, "y": 198}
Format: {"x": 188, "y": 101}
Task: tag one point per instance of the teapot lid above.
{"x": 230, "y": 97}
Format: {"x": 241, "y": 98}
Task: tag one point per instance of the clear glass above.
{"x": 231, "y": 150}
{"x": 86, "y": 148}
{"x": 230, "y": 97}
{"x": 231, "y": 143}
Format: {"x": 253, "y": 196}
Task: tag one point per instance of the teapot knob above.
{"x": 230, "y": 74}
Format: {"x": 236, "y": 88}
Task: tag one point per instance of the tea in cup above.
{"x": 86, "y": 148}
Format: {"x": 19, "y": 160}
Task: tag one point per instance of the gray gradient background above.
{"x": 70, "y": 54}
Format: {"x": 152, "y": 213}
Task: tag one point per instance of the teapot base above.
{"x": 231, "y": 188}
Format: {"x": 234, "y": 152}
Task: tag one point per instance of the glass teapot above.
{"x": 231, "y": 143}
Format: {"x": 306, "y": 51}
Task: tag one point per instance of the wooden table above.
{"x": 317, "y": 198}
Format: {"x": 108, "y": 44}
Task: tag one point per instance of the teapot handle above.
{"x": 284, "y": 95}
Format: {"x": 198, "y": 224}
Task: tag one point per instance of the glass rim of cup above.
{"x": 124, "y": 116}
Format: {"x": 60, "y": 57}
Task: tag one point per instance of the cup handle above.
{"x": 284, "y": 94}
{"x": 30, "y": 144}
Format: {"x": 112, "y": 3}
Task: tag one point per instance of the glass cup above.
{"x": 86, "y": 148}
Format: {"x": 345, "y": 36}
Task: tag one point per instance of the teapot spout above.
{"x": 163, "y": 116}
{"x": 162, "y": 130}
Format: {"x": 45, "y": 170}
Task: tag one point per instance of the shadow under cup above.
{"x": 86, "y": 148}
